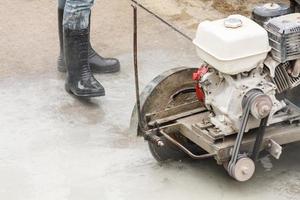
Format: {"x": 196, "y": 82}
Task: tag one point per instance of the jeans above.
{"x": 76, "y": 13}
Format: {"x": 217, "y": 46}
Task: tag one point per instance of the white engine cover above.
{"x": 232, "y": 45}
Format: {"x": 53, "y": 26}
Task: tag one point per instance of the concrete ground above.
{"x": 56, "y": 147}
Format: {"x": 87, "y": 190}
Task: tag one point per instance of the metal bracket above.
{"x": 274, "y": 148}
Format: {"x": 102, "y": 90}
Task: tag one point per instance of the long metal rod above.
{"x": 184, "y": 149}
{"x": 136, "y": 70}
{"x": 162, "y": 20}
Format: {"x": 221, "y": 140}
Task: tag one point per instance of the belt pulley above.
{"x": 241, "y": 167}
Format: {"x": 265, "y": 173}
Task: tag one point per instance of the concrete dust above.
{"x": 243, "y": 7}
{"x": 266, "y": 163}
{"x": 186, "y": 14}
{"x": 86, "y": 111}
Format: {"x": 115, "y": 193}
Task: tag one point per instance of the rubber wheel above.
{"x": 168, "y": 152}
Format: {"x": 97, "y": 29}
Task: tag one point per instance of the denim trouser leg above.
{"x": 61, "y": 4}
{"x": 76, "y": 14}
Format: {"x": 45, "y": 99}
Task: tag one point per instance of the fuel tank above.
{"x": 232, "y": 45}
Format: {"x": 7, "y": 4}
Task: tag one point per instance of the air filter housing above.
{"x": 284, "y": 37}
{"x": 263, "y": 13}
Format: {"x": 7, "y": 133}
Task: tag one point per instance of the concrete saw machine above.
{"x": 242, "y": 100}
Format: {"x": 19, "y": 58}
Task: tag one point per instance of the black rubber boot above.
{"x": 102, "y": 65}
{"x": 80, "y": 80}
{"x": 61, "y": 66}
{"x": 98, "y": 63}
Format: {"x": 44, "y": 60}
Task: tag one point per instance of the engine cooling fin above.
{"x": 284, "y": 37}
{"x": 283, "y": 80}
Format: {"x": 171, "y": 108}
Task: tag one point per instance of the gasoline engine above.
{"x": 236, "y": 50}
{"x": 243, "y": 99}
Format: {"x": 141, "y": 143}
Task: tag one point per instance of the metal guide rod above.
{"x": 162, "y": 20}
{"x": 136, "y": 70}
{"x": 184, "y": 149}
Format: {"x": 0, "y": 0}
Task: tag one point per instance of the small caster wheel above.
{"x": 243, "y": 170}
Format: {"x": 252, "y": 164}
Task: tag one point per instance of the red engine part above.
{"x": 197, "y": 77}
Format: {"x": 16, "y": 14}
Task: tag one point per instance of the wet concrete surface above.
{"x": 56, "y": 147}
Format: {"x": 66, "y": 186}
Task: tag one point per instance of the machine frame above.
{"x": 159, "y": 117}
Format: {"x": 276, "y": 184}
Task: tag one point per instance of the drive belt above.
{"x": 239, "y": 139}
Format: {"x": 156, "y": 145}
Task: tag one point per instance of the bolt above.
{"x": 265, "y": 110}
{"x": 269, "y": 145}
{"x": 245, "y": 170}
{"x": 160, "y": 144}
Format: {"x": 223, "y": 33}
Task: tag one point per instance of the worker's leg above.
{"x": 61, "y": 4}
{"x": 78, "y": 9}
{"x": 77, "y": 13}
{"x": 61, "y": 66}
{"x": 80, "y": 80}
